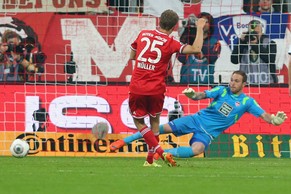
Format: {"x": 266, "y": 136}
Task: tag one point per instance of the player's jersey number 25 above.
{"x": 151, "y": 46}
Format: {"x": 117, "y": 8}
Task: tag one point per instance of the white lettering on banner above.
{"x": 127, "y": 120}
{"x": 226, "y": 32}
{"x": 59, "y": 104}
{"x": 146, "y": 66}
{"x": 198, "y": 72}
{"x": 17, "y": 6}
{"x": 261, "y": 77}
{"x": 231, "y": 40}
{"x": 87, "y": 43}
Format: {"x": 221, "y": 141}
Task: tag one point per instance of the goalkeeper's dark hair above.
{"x": 168, "y": 19}
{"x": 243, "y": 74}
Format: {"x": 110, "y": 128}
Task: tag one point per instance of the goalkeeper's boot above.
{"x": 154, "y": 164}
{"x": 168, "y": 158}
{"x": 116, "y": 145}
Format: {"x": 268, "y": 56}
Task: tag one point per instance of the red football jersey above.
{"x": 154, "y": 50}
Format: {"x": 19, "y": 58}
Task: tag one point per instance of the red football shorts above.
{"x": 140, "y": 105}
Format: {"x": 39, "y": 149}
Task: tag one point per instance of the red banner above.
{"x": 78, "y": 108}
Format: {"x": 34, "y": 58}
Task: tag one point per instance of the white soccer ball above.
{"x": 19, "y": 148}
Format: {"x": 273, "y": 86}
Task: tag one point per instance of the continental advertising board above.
{"x": 86, "y": 145}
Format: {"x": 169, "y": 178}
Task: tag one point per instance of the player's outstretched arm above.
{"x": 198, "y": 42}
{"x": 276, "y": 120}
{"x": 190, "y": 93}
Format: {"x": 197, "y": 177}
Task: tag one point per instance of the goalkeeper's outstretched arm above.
{"x": 276, "y": 120}
{"x": 190, "y": 93}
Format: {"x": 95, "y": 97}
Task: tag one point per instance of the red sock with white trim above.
{"x": 151, "y": 140}
{"x": 150, "y": 156}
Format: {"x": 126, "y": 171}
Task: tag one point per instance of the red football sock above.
{"x": 149, "y": 137}
{"x": 150, "y": 156}
{"x": 151, "y": 140}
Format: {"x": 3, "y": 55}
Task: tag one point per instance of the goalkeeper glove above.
{"x": 279, "y": 118}
{"x": 189, "y": 92}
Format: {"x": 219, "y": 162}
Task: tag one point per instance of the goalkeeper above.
{"x": 228, "y": 106}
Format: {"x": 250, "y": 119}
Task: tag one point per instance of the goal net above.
{"x": 67, "y": 69}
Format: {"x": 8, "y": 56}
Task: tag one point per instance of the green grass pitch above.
{"x": 62, "y": 175}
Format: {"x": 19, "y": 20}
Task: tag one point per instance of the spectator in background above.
{"x": 3, "y": 49}
{"x": 18, "y": 61}
{"x": 12, "y": 56}
{"x": 265, "y": 6}
{"x": 256, "y": 54}
{"x": 36, "y": 58}
{"x": 199, "y": 68}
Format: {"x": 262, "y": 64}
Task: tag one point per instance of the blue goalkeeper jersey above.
{"x": 225, "y": 110}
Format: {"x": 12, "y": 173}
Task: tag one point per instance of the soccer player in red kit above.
{"x": 152, "y": 51}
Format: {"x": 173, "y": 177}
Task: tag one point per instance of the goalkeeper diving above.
{"x": 228, "y": 105}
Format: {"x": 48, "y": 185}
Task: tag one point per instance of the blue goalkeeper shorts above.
{"x": 186, "y": 125}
